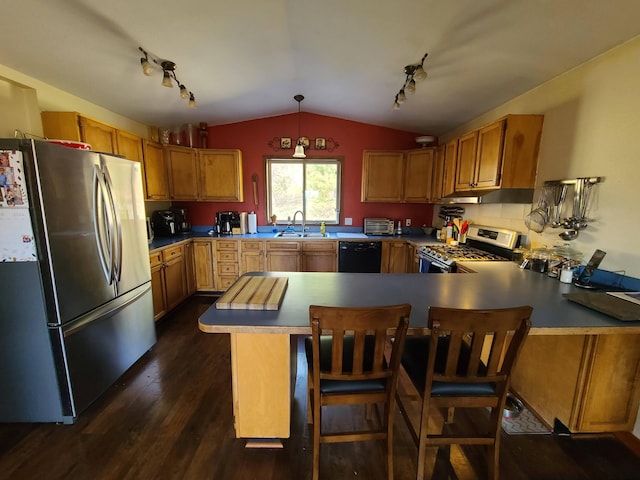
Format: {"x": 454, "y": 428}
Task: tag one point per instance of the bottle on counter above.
{"x": 399, "y": 229}
{"x": 449, "y": 232}
{"x": 323, "y": 228}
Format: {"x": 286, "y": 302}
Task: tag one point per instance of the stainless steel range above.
{"x": 483, "y": 244}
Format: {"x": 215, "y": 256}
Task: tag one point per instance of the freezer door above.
{"x": 99, "y": 347}
{"x": 131, "y": 252}
{"x": 64, "y": 202}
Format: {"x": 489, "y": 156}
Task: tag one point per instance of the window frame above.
{"x": 334, "y": 160}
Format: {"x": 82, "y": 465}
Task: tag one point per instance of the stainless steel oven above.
{"x": 483, "y": 244}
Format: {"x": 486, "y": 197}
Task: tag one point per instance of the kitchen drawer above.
{"x": 226, "y": 282}
{"x": 251, "y": 246}
{"x": 227, "y": 245}
{"x": 226, "y": 256}
{"x": 155, "y": 259}
{"x": 319, "y": 246}
{"x": 283, "y": 246}
{"x": 228, "y": 269}
{"x": 172, "y": 252}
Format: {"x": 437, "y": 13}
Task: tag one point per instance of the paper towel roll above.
{"x": 243, "y": 223}
{"x": 253, "y": 223}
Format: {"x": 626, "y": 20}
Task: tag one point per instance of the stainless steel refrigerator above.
{"x": 75, "y": 285}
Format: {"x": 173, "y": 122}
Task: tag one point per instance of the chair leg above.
{"x": 493, "y": 450}
{"x": 317, "y": 423}
{"x": 309, "y": 402}
{"x": 389, "y": 409}
{"x": 492, "y": 462}
{"x": 422, "y": 442}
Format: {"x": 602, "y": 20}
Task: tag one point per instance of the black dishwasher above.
{"x": 359, "y": 257}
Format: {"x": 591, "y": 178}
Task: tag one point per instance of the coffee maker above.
{"x": 226, "y": 222}
{"x": 163, "y": 223}
{"x": 182, "y": 223}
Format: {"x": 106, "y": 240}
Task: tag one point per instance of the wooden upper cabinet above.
{"x": 397, "y": 176}
{"x": 129, "y": 145}
{"x": 103, "y": 138}
{"x": 220, "y": 175}
{"x": 155, "y": 172}
{"x": 382, "y": 176}
{"x": 418, "y": 175}
{"x": 489, "y": 156}
{"x": 182, "y": 168}
{"x": 449, "y": 174}
{"x": 437, "y": 181}
{"x": 76, "y": 127}
{"x": 466, "y": 162}
{"x": 503, "y": 154}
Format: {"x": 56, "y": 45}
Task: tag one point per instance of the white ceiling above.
{"x": 247, "y": 59}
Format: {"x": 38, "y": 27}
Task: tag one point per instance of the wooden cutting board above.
{"x": 254, "y": 293}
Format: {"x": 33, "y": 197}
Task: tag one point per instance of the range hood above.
{"x": 502, "y": 195}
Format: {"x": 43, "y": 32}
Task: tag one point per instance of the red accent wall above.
{"x": 253, "y": 137}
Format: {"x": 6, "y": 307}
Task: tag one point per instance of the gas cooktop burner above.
{"x": 460, "y": 253}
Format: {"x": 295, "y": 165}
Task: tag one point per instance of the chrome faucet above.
{"x": 293, "y": 222}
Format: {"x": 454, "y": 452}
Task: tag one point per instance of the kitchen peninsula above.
{"x": 263, "y": 343}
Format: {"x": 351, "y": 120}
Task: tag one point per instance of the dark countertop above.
{"x": 495, "y": 285}
{"x": 161, "y": 242}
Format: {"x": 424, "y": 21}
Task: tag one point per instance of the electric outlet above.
{"x": 348, "y": 221}
{"x": 407, "y": 222}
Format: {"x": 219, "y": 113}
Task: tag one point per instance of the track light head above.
{"x": 168, "y": 74}
{"x": 414, "y": 73}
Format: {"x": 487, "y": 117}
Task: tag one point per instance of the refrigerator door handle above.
{"x": 102, "y": 224}
{"x": 117, "y": 238}
{"x": 104, "y": 310}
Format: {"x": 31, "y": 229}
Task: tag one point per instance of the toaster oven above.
{"x": 378, "y": 226}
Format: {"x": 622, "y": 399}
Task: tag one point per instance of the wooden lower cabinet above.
{"x": 158, "y": 285}
{"x": 394, "y": 257}
{"x": 263, "y": 389}
{"x": 203, "y": 253}
{"x": 190, "y": 268}
{"x": 588, "y": 382}
{"x": 413, "y": 262}
{"x": 319, "y": 256}
{"x": 252, "y": 258}
{"x": 283, "y": 256}
{"x": 168, "y": 279}
{"x": 226, "y": 267}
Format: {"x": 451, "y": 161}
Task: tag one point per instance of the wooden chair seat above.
{"x": 347, "y": 366}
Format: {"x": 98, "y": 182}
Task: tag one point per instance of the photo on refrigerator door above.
{"x": 13, "y": 190}
{"x": 16, "y": 234}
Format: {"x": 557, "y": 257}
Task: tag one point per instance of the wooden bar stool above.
{"x": 346, "y": 359}
{"x": 465, "y": 362}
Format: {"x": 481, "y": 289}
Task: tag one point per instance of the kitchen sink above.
{"x": 315, "y": 235}
{"x": 301, "y": 235}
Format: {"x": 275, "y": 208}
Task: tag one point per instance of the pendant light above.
{"x": 299, "y": 151}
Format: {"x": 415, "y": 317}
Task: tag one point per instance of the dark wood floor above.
{"x": 169, "y": 417}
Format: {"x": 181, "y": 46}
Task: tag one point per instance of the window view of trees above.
{"x": 310, "y": 185}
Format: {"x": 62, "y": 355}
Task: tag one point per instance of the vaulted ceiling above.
{"x": 247, "y": 59}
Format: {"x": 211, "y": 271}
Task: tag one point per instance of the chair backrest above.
{"x": 358, "y": 340}
{"x": 474, "y": 346}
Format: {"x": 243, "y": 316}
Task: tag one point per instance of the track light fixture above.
{"x": 414, "y": 73}
{"x": 150, "y": 64}
{"x": 299, "y": 151}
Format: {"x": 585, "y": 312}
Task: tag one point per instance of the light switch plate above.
{"x": 407, "y": 222}
{"x": 348, "y": 221}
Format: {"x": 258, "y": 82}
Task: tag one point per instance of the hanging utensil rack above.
{"x": 581, "y": 197}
